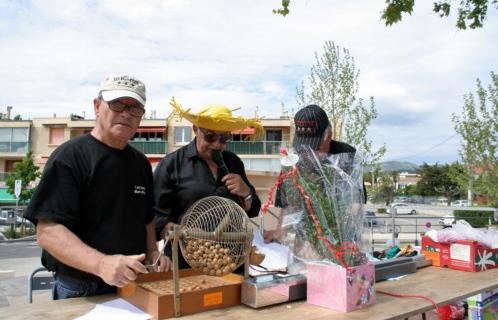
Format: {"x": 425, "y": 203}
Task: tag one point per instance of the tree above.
{"x": 27, "y": 172}
{"x": 471, "y": 13}
{"x": 284, "y": 10}
{"x": 437, "y": 180}
{"x": 333, "y": 85}
{"x": 409, "y": 190}
{"x": 477, "y": 126}
{"x": 18, "y": 117}
{"x": 385, "y": 188}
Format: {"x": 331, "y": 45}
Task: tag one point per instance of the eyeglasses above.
{"x": 134, "y": 110}
{"x": 210, "y": 136}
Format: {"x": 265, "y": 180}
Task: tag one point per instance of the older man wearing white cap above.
{"x": 93, "y": 206}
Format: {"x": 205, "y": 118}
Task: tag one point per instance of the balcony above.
{"x": 14, "y": 147}
{"x": 255, "y": 147}
{"x": 150, "y": 147}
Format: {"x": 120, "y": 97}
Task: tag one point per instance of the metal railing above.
{"x": 410, "y": 228}
{"x": 255, "y": 147}
{"x": 150, "y": 147}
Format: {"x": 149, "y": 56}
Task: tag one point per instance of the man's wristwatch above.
{"x": 248, "y": 197}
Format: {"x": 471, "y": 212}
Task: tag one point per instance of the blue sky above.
{"x": 55, "y": 53}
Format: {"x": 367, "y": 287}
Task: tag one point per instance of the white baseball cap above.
{"x": 119, "y": 86}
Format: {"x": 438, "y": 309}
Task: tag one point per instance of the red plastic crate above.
{"x": 462, "y": 255}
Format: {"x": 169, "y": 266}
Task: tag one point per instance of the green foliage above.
{"x": 410, "y": 190}
{"x": 284, "y": 10}
{"x": 384, "y": 190}
{"x": 471, "y": 13}
{"x": 486, "y": 185}
{"x": 394, "y": 9}
{"x": 477, "y": 219}
{"x": 333, "y": 85}
{"x": 477, "y": 126}
{"x": 437, "y": 180}
{"x": 11, "y": 232}
{"x": 381, "y": 210}
{"x": 27, "y": 171}
{"x": 17, "y": 117}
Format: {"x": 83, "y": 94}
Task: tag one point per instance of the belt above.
{"x": 64, "y": 277}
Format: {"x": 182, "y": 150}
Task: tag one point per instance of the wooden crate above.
{"x": 223, "y": 292}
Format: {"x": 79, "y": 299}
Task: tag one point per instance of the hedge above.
{"x": 476, "y": 218}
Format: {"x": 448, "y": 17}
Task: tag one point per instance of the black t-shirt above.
{"x": 182, "y": 178}
{"x": 103, "y": 195}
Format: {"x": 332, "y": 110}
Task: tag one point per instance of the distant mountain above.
{"x": 400, "y": 166}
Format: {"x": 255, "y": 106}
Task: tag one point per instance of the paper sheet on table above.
{"x": 115, "y": 309}
{"x": 276, "y": 255}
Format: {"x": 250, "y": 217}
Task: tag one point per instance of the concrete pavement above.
{"x": 17, "y": 261}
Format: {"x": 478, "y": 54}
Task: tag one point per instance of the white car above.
{"x": 447, "y": 221}
{"x": 460, "y": 203}
{"x": 401, "y": 208}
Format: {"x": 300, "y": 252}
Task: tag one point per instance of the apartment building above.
{"x": 155, "y": 138}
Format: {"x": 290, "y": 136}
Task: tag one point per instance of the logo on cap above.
{"x": 307, "y": 128}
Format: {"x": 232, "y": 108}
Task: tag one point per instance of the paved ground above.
{"x": 21, "y": 258}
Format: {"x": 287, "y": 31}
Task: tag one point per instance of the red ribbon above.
{"x": 337, "y": 251}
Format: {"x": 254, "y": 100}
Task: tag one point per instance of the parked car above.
{"x": 401, "y": 208}
{"x": 4, "y": 214}
{"x": 447, "y": 221}
{"x": 370, "y": 219}
{"x": 460, "y": 203}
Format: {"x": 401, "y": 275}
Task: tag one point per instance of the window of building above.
{"x": 20, "y": 134}
{"x": 56, "y": 136}
{"x": 14, "y": 140}
{"x": 183, "y": 135}
{"x": 149, "y": 136}
{"x": 5, "y": 134}
{"x": 273, "y": 135}
{"x": 10, "y": 165}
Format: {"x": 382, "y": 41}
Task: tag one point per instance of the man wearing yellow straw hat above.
{"x": 203, "y": 168}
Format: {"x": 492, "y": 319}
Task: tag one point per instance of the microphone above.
{"x": 218, "y": 159}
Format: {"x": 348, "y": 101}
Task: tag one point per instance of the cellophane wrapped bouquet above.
{"x": 322, "y": 200}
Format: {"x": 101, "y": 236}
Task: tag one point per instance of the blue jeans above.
{"x": 65, "y": 287}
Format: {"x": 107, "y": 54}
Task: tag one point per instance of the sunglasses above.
{"x": 134, "y": 110}
{"x": 210, "y": 136}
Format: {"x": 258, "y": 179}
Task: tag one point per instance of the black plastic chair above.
{"x": 44, "y": 282}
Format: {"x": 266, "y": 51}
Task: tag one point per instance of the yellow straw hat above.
{"x": 217, "y": 118}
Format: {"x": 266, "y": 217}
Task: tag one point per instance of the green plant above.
{"x": 26, "y": 171}
{"x": 476, "y": 218}
{"x": 11, "y": 232}
{"x": 381, "y": 210}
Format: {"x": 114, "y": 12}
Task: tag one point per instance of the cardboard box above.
{"x": 338, "y": 288}
{"x": 462, "y": 255}
{"x": 483, "y": 306}
{"x": 161, "y": 306}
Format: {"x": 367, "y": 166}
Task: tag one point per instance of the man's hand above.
{"x": 164, "y": 264}
{"x": 119, "y": 270}
{"x": 157, "y": 262}
{"x": 236, "y": 185}
{"x": 164, "y": 231}
{"x": 272, "y": 235}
